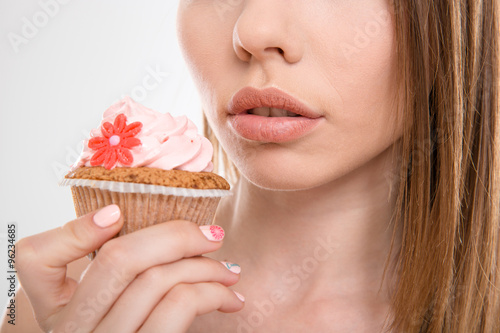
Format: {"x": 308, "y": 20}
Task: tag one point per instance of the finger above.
{"x": 42, "y": 258}
{"x": 184, "y": 302}
{"x": 146, "y": 291}
{"x": 121, "y": 259}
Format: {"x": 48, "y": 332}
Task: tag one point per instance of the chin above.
{"x": 282, "y": 167}
{"x": 276, "y": 177}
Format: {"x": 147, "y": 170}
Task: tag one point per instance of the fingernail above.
{"x": 240, "y": 296}
{"x": 107, "y": 216}
{"x": 235, "y": 268}
{"x": 212, "y": 232}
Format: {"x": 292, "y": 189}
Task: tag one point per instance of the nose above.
{"x": 266, "y": 29}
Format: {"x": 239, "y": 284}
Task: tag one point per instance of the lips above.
{"x": 270, "y": 115}
{"x": 250, "y": 98}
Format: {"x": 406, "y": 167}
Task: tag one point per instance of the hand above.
{"x": 152, "y": 280}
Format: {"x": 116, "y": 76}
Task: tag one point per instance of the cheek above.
{"x": 361, "y": 70}
{"x": 205, "y": 39}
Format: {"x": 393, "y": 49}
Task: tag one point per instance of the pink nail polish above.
{"x": 240, "y": 296}
{"x": 107, "y": 216}
{"x": 212, "y": 232}
{"x": 235, "y": 268}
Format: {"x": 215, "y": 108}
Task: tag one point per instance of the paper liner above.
{"x": 140, "y": 210}
{"x": 124, "y": 187}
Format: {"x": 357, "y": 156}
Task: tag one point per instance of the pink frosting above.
{"x": 167, "y": 142}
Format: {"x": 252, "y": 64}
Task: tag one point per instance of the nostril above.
{"x": 275, "y": 49}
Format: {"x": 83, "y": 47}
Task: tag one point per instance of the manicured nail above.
{"x": 240, "y": 296}
{"x": 212, "y": 232}
{"x": 107, "y": 216}
{"x": 235, "y": 268}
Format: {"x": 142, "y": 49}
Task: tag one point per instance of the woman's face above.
{"x": 335, "y": 58}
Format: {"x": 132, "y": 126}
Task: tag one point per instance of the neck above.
{"x": 337, "y": 235}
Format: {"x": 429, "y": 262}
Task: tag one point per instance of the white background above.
{"x": 80, "y": 57}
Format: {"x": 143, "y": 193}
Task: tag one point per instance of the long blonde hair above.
{"x": 448, "y": 202}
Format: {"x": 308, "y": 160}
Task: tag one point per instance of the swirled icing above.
{"x": 166, "y": 142}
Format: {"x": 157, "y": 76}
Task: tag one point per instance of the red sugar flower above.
{"x": 115, "y": 144}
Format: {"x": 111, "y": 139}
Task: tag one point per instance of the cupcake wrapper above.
{"x": 140, "y": 210}
{"x": 124, "y": 187}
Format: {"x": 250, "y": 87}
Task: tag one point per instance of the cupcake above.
{"x": 154, "y": 166}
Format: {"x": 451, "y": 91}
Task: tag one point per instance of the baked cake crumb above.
{"x": 153, "y": 176}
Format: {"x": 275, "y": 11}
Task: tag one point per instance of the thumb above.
{"x": 42, "y": 258}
